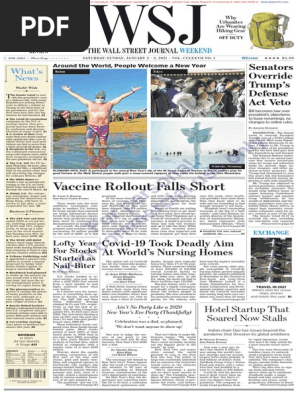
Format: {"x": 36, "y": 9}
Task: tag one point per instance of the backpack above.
{"x": 263, "y": 31}
{"x": 175, "y": 113}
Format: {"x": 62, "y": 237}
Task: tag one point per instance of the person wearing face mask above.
{"x": 160, "y": 103}
{"x": 193, "y": 101}
{"x": 241, "y": 99}
{"x": 187, "y": 81}
{"x": 99, "y": 114}
{"x": 215, "y": 109}
{"x": 222, "y": 84}
{"x": 229, "y": 99}
{"x": 162, "y": 84}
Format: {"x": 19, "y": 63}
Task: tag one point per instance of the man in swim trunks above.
{"x": 125, "y": 116}
{"x": 99, "y": 114}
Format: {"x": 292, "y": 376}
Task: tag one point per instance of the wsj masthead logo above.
{"x": 67, "y": 28}
{"x": 156, "y": 15}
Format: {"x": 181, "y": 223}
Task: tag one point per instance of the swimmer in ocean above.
{"x": 99, "y": 114}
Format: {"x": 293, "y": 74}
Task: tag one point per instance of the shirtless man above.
{"x": 99, "y": 114}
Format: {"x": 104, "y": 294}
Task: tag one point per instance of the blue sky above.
{"x": 114, "y": 82}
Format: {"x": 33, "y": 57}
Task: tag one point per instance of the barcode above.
{"x": 26, "y": 373}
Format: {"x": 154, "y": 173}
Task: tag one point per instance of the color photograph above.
{"x": 203, "y": 145}
{"x": 100, "y": 120}
{"x": 271, "y": 260}
{"x": 198, "y": 93}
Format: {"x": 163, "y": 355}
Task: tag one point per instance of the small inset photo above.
{"x": 200, "y": 145}
{"x": 100, "y": 119}
{"x": 271, "y": 260}
{"x": 193, "y": 93}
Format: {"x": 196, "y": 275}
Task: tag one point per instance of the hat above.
{"x": 100, "y": 93}
{"x": 225, "y": 80}
{"x": 201, "y": 83}
{"x": 210, "y": 81}
{"x": 163, "y": 79}
{"x": 242, "y": 83}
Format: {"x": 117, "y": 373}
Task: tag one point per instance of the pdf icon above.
{"x": 29, "y": 23}
{"x": 46, "y": 26}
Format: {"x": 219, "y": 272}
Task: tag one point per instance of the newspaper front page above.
{"x": 149, "y": 202}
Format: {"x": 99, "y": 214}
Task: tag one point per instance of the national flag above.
{"x": 65, "y": 114}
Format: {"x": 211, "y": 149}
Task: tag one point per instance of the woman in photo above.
{"x": 229, "y": 100}
{"x": 193, "y": 101}
{"x": 215, "y": 109}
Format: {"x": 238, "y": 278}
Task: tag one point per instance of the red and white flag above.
{"x": 65, "y": 114}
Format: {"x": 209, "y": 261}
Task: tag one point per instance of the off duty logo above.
{"x": 46, "y": 26}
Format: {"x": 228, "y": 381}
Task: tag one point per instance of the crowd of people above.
{"x": 174, "y": 153}
{"x": 192, "y": 97}
{"x": 126, "y": 116}
{"x": 229, "y": 153}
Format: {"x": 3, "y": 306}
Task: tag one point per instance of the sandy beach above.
{"x": 138, "y": 125}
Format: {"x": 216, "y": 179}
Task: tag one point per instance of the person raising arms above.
{"x": 99, "y": 114}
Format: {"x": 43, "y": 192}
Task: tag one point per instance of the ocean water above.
{"x": 123, "y": 151}
{"x": 162, "y": 161}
